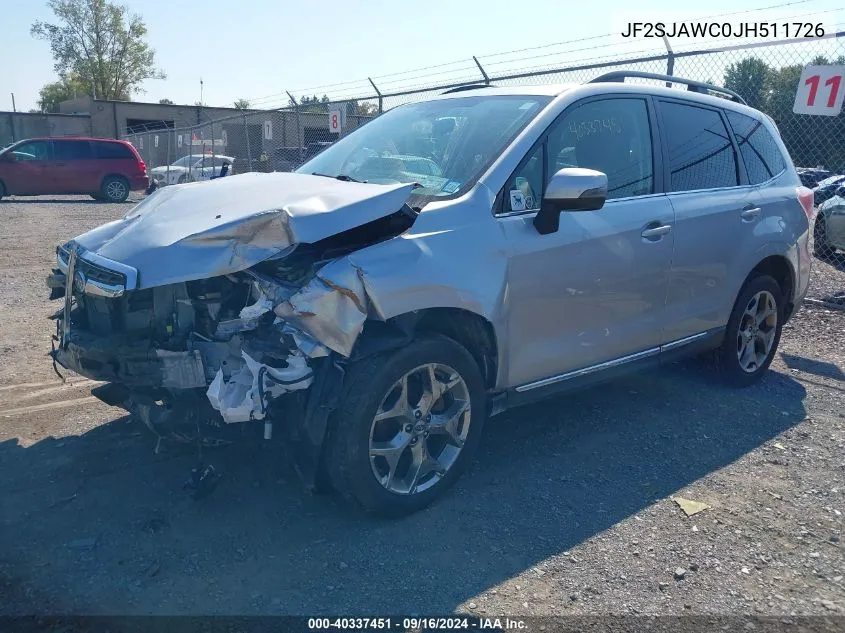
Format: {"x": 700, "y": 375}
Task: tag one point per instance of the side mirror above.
{"x": 9, "y": 157}
{"x": 570, "y": 189}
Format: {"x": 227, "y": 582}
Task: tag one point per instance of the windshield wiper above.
{"x": 342, "y": 177}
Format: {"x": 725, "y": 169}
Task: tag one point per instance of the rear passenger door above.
{"x": 77, "y": 169}
{"x": 715, "y": 215}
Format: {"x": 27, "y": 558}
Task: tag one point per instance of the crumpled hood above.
{"x": 207, "y": 229}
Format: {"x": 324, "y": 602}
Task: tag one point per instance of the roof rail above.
{"x": 692, "y": 86}
{"x": 466, "y": 87}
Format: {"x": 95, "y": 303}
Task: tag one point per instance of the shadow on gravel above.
{"x": 99, "y": 524}
{"x": 815, "y": 367}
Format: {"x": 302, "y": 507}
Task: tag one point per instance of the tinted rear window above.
{"x": 701, "y": 155}
{"x": 759, "y": 150}
{"x": 72, "y": 150}
{"x": 112, "y": 150}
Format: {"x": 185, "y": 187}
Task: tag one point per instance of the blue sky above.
{"x": 257, "y": 49}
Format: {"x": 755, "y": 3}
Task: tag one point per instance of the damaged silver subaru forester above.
{"x": 450, "y": 259}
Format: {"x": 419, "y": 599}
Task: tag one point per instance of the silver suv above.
{"x": 449, "y": 260}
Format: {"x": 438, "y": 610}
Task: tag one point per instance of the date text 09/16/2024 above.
{"x": 417, "y": 623}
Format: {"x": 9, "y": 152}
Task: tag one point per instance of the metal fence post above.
{"x": 248, "y": 151}
{"x": 378, "y": 94}
{"x": 298, "y": 127}
{"x": 670, "y": 60}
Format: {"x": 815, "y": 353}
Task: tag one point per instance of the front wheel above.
{"x": 407, "y": 426}
{"x": 753, "y": 332}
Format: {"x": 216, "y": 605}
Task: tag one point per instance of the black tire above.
{"x": 182, "y": 180}
{"x": 2, "y": 190}
{"x": 366, "y": 384}
{"x": 727, "y": 358}
{"x": 115, "y": 189}
{"x": 821, "y": 248}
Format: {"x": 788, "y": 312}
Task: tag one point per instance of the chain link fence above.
{"x": 765, "y": 75}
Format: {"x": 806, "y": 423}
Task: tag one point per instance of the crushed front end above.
{"x": 205, "y": 358}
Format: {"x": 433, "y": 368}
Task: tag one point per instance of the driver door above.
{"x": 595, "y": 290}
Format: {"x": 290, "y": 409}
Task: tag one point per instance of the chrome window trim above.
{"x": 645, "y": 196}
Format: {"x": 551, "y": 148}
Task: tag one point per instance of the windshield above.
{"x": 444, "y": 145}
{"x": 187, "y": 161}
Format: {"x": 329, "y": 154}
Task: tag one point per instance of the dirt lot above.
{"x": 566, "y": 511}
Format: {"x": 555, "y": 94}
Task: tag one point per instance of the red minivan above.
{"x": 104, "y": 168}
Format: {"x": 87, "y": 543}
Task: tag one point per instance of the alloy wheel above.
{"x": 756, "y": 334}
{"x": 419, "y": 429}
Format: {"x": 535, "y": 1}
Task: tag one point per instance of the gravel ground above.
{"x": 568, "y": 509}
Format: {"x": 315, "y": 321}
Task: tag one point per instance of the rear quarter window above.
{"x": 760, "y": 152}
{"x": 112, "y": 150}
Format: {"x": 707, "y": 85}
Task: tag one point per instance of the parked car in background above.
{"x": 191, "y": 168}
{"x": 106, "y": 169}
{"x": 289, "y": 158}
{"x": 829, "y": 229}
{"x": 825, "y": 189}
{"x": 810, "y": 176}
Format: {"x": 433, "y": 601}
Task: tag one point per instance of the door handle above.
{"x": 60, "y": 164}
{"x": 656, "y": 232}
{"x": 750, "y": 212}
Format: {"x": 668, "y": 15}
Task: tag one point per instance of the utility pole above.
{"x": 12, "y": 118}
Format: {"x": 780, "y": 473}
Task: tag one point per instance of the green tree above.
{"x": 100, "y": 42}
{"x": 363, "y": 108}
{"x": 749, "y": 78}
{"x": 165, "y": 101}
{"x": 314, "y": 104}
{"x": 242, "y": 104}
{"x": 68, "y": 87}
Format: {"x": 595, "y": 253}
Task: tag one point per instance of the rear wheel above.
{"x": 115, "y": 189}
{"x": 2, "y": 190}
{"x": 821, "y": 247}
{"x": 407, "y": 426}
{"x": 753, "y": 332}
